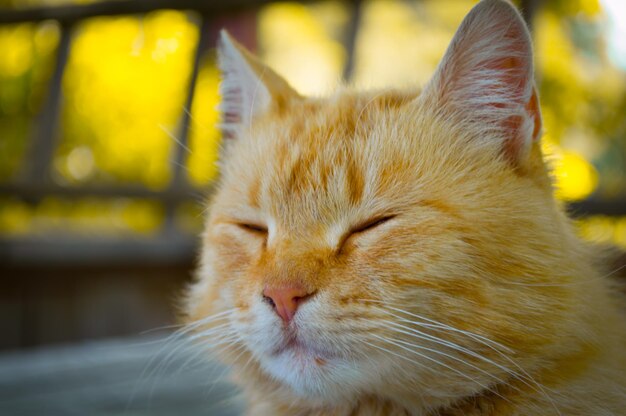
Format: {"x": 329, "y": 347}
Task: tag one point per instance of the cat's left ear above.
{"x": 249, "y": 89}
{"x": 486, "y": 78}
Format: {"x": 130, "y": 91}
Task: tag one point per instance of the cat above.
{"x": 401, "y": 252}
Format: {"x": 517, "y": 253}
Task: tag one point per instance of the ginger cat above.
{"x": 401, "y": 252}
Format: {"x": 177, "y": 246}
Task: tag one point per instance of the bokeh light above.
{"x": 93, "y": 217}
{"x": 125, "y": 86}
{"x": 26, "y": 59}
{"x": 303, "y": 43}
{"x": 127, "y": 78}
{"x": 204, "y": 137}
{"x": 392, "y": 50}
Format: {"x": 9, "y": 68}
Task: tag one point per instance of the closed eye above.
{"x": 361, "y": 228}
{"x": 253, "y": 228}
{"x": 370, "y": 224}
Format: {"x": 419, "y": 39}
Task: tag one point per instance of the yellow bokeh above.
{"x": 578, "y": 90}
{"x": 400, "y": 43}
{"x": 141, "y": 216}
{"x": 15, "y": 217}
{"x": 85, "y": 216}
{"x": 127, "y": 78}
{"x": 125, "y": 86}
{"x": 17, "y": 44}
{"x": 204, "y": 133}
{"x": 590, "y": 7}
{"x": 26, "y": 59}
{"x": 295, "y": 42}
{"x": 300, "y": 42}
{"x": 575, "y": 177}
{"x": 603, "y": 229}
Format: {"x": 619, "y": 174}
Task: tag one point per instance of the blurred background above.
{"x": 108, "y": 147}
{"x": 108, "y": 142}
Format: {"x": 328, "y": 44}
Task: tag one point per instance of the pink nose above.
{"x": 285, "y": 299}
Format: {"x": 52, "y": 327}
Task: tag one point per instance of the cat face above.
{"x": 380, "y": 243}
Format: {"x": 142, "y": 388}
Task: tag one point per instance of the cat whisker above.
{"x": 358, "y": 119}
{"x": 176, "y": 336}
{"x": 181, "y": 165}
{"x": 245, "y": 366}
{"x": 208, "y": 332}
{"x": 520, "y": 377}
{"x": 226, "y": 340}
{"x": 185, "y": 346}
{"x": 398, "y": 344}
{"x": 524, "y": 377}
{"x": 165, "y": 364}
{"x": 188, "y": 343}
{"x": 436, "y": 324}
{"x": 433, "y": 338}
{"x": 173, "y": 137}
{"x": 259, "y": 84}
{"x": 217, "y": 338}
{"x": 243, "y": 349}
{"x": 192, "y": 118}
{"x": 422, "y": 335}
{"x": 538, "y": 387}
{"x": 500, "y": 380}
{"x": 395, "y": 354}
{"x": 160, "y": 328}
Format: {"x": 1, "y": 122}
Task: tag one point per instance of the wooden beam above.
{"x": 37, "y": 166}
{"x": 34, "y": 192}
{"x": 64, "y": 251}
{"x": 73, "y": 13}
{"x": 351, "y": 36}
{"x": 529, "y": 10}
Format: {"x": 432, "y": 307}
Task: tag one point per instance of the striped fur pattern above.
{"x": 445, "y": 278}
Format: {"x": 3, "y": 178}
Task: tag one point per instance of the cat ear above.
{"x": 486, "y": 77}
{"x": 248, "y": 88}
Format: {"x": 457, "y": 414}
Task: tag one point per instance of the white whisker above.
{"x": 176, "y": 336}
{"x": 437, "y": 324}
{"x": 478, "y": 338}
{"x": 173, "y": 137}
{"x": 226, "y": 370}
{"x": 449, "y": 355}
{"x": 399, "y": 345}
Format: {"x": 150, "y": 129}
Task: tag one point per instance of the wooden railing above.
{"x": 170, "y": 245}
{"x": 35, "y": 180}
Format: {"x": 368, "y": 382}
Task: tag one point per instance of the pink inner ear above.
{"x": 231, "y": 116}
{"x": 535, "y": 111}
{"x": 511, "y": 76}
{"x": 513, "y": 145}
{"x": 517, "y": 126}
{"x": 486, "y": 77}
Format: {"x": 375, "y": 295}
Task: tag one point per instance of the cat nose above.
{"x": 286, "y": 299}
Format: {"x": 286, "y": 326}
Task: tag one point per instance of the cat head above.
{"x": 385, "y": 243}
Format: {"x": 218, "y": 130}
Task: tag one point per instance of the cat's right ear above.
{"x": 248, "y": 88}
{"x": 486, "y": 79}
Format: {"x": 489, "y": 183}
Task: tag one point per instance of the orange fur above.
{"x": 474, "y": 297}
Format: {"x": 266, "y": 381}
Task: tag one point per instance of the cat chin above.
{"x": 326, "y": 381}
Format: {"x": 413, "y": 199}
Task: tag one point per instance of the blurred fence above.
{"x": 66, "y": 287}
{"x": 35, "y": 181}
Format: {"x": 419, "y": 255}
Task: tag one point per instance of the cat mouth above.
{"x": 303, "y": 351}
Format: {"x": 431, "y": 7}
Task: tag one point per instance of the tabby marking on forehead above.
{"x": 401, "y": 252}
